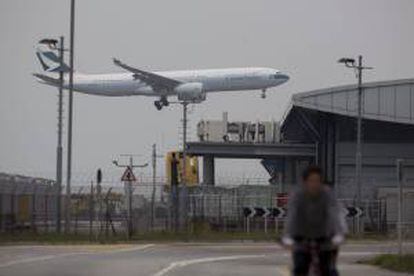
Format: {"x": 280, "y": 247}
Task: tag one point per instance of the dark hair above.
{"x": 312, "y": 169}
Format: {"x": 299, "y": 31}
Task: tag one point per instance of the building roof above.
{"x": 391, "y": 101}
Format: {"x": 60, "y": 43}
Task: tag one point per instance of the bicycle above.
{"x": 307, "y": 254}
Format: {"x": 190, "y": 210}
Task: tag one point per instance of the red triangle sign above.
{"x": 128, "y": 175}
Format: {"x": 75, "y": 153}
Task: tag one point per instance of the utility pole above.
{"x": 59, "y": 150}
{"x": 358, "y": 157}
{"x": 184, "y": 164}
{"x": 175, "y": 191}
{"x": 154, "y": 176}
{"x": 70, "y": 119}
{"x": 184, "y": 174}
{"x": 99, "y": 201}
{"x": 59, "y": 45}
{"x": 128, "y": 188}
{"x": 154, "y": 182}
{"x": 400, "y": 177}
{"x": 350, "y": 63}
{"x": 154, "y": 157}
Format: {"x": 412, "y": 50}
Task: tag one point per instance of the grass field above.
{"x": 52, "y": 238}
{"x": 200, "y": 234}
{"x": 404, "y": 263}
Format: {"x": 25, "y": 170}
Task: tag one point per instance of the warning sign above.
{"x": 128, "y": 175}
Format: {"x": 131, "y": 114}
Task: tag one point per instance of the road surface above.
{"x": 259, "y": 259}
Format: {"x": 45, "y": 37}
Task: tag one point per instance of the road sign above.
{"x": 353, "y": 212}
{"x": 259, "y": 212}
{"x": 278, "y": 212}
{"x": 267, "y": 212}
{"x": 249, "y": 212}
{"x": 264, "y": 212}
{"x": 128, "y": 175}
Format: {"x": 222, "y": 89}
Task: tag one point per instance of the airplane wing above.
{"x": 157, "y": 82}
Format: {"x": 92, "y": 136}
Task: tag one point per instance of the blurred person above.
{"x": 315, "y": 225}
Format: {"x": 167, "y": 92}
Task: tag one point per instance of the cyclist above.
{"x": 314, "y": 223}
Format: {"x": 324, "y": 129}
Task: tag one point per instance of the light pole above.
{"x": 154, "y": 157}
{"x": 54, "y": 44}
{"x": 174, "y": 190}
{"x": 184, "y": 173}
{"x": 184, "y": 167}
{"x": 400, "y": 178}
{"x": 70, "y": 119}
{"x": 350, "y": 63}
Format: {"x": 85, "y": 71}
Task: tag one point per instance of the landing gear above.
{"x": 158, "y": 105}
{"x": 164, "y": 101}
{"x": 161, "y": 103}
{"x": 263, "y": 94}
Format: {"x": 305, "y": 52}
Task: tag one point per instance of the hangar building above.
{"x": 327, "y": 118}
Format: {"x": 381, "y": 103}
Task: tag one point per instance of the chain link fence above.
{"x": 28, "y": 204}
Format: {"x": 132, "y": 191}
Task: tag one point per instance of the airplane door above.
{"x": 227, "y": 82}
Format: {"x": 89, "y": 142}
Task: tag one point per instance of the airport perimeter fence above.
{"x": 102, "y": 210}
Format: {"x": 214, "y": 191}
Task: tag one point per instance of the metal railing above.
{"x": 101, "y": 210}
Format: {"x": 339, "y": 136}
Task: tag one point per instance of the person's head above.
{"x": 312, "y": 179}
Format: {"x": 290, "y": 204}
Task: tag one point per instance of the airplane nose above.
{"x": 284, "y": 78}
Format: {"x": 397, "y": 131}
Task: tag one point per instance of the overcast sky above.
{"x": 302, "y": 38}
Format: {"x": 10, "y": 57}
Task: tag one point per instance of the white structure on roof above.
{"x": 266, "y": 132}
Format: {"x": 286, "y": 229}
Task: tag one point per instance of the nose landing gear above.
{"x": 263, "y": 95}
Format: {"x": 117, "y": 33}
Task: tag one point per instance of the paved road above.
{"x": 260, "y": 259}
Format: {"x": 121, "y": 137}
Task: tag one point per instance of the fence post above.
{"x": 108, "y": 219}
{"x": 367, "y": 213}
{"x": 276, "y": 226}
{"x": 379, "y": 215}
{"x": 99, "y": 213}
{"x": 46, "y": 199}
{"x": 33, "y": 216}
{"x": 152, "y": 218}
{"x": 1, "y": 212}
{"x": 219, "y": 206}
{"x": 13, "y": 208}
{"x": 91, "y": 212}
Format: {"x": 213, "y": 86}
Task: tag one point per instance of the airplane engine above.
{"x": 191, "y": 92}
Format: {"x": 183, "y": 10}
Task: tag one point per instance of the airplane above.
{"x": 189, "y": 85}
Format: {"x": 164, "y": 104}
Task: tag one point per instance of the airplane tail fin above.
{"x": 50, "y": 61}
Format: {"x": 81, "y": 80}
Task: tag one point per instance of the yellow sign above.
{"x": 191, "y": 168}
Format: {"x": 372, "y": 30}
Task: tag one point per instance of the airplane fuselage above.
{"x": 213, "y": 80}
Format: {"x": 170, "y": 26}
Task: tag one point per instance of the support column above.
{"x": 208, "y": 170}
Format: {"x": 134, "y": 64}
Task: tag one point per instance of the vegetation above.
{"x": 405, "y": 263}
{"x": 26, "y": 237}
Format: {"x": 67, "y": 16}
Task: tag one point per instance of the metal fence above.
{"x": 102, "y": 210}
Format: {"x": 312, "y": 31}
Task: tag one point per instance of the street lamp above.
{"x": 70, "y": 119}
{"x": 350, "y": 63}
{"x": 54, "y": 44}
